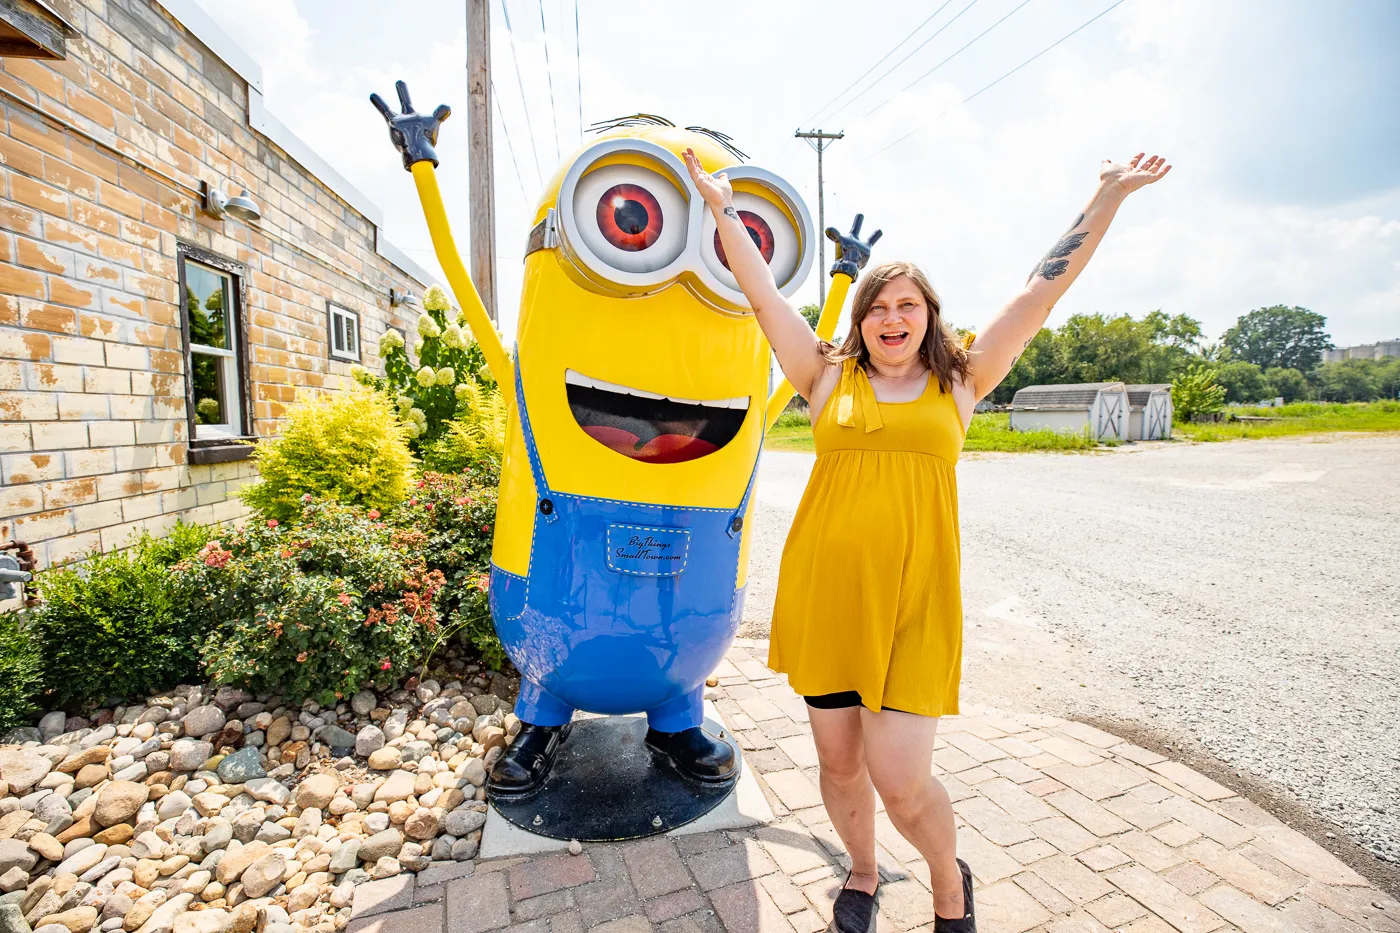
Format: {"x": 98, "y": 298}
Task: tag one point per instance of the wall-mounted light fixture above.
{"x": 397, "y": 298}
{"x": 242, "y": 207}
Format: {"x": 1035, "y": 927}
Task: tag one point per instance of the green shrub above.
{"x": 793, "y": 418}
{"x": 347, "y": 447}
{"x": 475, "y": 439}
{"x": 427, "y": 392}
{"x": 116, "y": 624}
{"x": 456, "y": 513}
{"x": 1194, "y": 393}
{"x": 318, "y": 609}
{"x": 21, "y": 671}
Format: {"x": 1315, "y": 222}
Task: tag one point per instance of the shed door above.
{"x": 1110, "y": 419}
{"x": 1158, "y": 416}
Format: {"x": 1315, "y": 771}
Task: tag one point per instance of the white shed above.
{"x": 1101, "y": 408}
{"x": 1150, "y": 412}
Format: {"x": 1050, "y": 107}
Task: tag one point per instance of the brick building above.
{"x": 121, "y": 404}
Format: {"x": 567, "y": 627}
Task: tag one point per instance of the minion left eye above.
{"x": 631, "y": 217}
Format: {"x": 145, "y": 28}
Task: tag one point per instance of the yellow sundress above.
{"x": 869, "y": 593}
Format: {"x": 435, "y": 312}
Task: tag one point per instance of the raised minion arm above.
{"x": 415, "y": 135}
{"x": 853, "y": 255}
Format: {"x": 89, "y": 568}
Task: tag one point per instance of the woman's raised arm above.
{"x": 1006, "y": 337}
{"x": 793, "y": 341}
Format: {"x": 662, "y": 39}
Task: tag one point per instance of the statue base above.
{"x": 607, "y": 786}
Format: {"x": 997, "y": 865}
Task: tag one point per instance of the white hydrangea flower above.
{"x": 446, "y": 376}
{"x": 426, "y": 377}
{"x": 418, "y": 416}
{"x": 413, "y": 429}
{"x": 435, "y": 299}
{"x": 418, "y": 348}
{"x": 453, "y": 337}
{"x": 463, "y": 392}
{"x": 405, "y": 403}
{"x": 427, "y": 327}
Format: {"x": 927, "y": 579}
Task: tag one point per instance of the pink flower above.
{"x": 463, "y": 501}
{"x": 344, "y": 599}
{"x": 385, "y": 666}
{"x": 272, "y": 523}
{"x": 286, "y": 553}
{"x": 373, "y": 514}
{"x": 428, "y": 506}
{"x": 413, "y": 501}
{"x": 306, "y": 498}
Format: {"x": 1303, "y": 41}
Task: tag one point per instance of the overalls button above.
{"x": 737, "y": 524}
{"x": 546, "y": 507}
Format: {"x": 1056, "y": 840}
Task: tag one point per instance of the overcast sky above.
{"x": 1281, "y": 117}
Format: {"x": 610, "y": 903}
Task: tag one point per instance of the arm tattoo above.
{"x": 1054, "y": 263}
{"x": 732, "y": 212}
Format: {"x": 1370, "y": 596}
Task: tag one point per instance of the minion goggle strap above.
{"x": 630, "y": 222}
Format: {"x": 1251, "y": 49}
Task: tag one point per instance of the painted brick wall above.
{"x": 101, "y": 160}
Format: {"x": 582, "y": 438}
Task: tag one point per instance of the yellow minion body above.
{"x": 582, "y": 325}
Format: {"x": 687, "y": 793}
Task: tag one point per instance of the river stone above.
{"x": 461, "y": 822}
{"x": 278, "y": 731}
{"x": 369, "y": 740}
{"x": 118, "y": 802}
{"x": 12, "y": 920}
{"x": 385, "y": 759}
{"x": 264, "y": 874}
{"x": 268, "y": 791}
{"x": 464, "y": 850}
{"x": 89, "y": 756}
{"x": 380, "y": 844}
{"x": 243, "y": 765}
{"x": 22, "y": 769}
{"x": 399, "y": 786}
{"x": 422, "y": 825}
{"x": 76, "y": 920}
{"x": 163, "y": 919}
{"x": 14, "y": 881}
{"x": 188, "y": 754}
{"x": 317, "y": 791}
{"x": 363, "y": 703}
{"x": 346, "y": 856}
{"x": 474, "y": 772}
{"x": 81, "y": 861}
{"x": 202, "y": 721}
{"x": 341, "y": 743}
{"x": 173, "y": 804}
{"x": 203, "y": 921}
{"x": 47, "y": 846}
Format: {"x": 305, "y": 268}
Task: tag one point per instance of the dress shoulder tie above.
{"x": 854, "y": 390}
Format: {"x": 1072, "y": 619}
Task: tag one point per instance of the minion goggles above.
{"x": 628, "y": 221}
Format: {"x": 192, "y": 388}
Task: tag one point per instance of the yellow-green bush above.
{"x": 348, "y": 447}
{"x": 475, "y": 438}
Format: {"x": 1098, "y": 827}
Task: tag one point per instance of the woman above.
{"x": 868, "y": 619}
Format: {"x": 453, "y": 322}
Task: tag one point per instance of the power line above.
{"x": 996, "y": 82}
{"x": 524, "y": 101}
{"x": 549, "y": 73}
{"x": 890, "y": 70}
{"x": 945, "y": 61}
{"x": 578, "y": 71}
{"x": 505, "y": 131}
{"x": 878, "y": 62}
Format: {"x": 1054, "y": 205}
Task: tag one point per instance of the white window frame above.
{"x": 352, "y": 318}
{"x": 228, "y": 363}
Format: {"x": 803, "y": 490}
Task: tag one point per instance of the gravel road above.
{"x": 1241, "y": 598}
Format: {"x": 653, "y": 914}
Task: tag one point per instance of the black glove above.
{"x": 413, "y": 134}
{"x": 852, "y": 252}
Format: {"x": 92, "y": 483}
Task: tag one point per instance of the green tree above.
{"x": 1194, "y": 393}
{"x": 1279, "y": 336}
{"x": 811, "y": 313}
{"x": 1038, "y": 365}
{"x": 1288, "y": 383}
{"x": 1243, "y": 382}
{"x": 1349, "y": 381}
{"x": 1388, "y": 377}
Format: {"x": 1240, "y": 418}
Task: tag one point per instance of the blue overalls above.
{"x": 626, "y": 607}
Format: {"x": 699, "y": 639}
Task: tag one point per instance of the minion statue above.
{"x": 639, "y": 401}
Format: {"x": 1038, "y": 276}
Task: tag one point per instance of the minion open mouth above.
{"x": 651, "y": 427}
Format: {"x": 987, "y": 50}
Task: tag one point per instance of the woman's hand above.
{"x": 715, "y": 189}
{"x": 1133, "y": 176}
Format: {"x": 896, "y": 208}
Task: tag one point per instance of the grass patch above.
{"x": 989, "y": 431}
{"x": 1299, "y": 418}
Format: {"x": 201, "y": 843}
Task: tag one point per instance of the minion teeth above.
{"x": 651, "y": 427}
{"x": 575, "y": 378}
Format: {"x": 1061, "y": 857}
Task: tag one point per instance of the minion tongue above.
{"x": 652, "y": 430}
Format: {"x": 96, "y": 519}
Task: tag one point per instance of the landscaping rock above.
{"x": 243, "y": 765}
{"x": 16, "y": 854}
{"x": 22, "y": 769}
{"x": 317, "y": 791}
{"x": 202, "y": 721}
{"x": 188, "y": 754}
{"x": 118, "y": 802}
{"x": 264, "y": 874}
{"x": 12, "y": 920}
{"x": 268, "y": 790}
{"x": 369, "y": 740}
{"x": 338, "y": 740}
{"x": 380, "y": 844}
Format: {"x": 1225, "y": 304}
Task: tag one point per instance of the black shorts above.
{"x": 846, "y": 699}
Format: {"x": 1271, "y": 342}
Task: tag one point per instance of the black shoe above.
{"x": 854, "y": 911}
{"x": 695, "y": 754}
{"x": 967, "y": 923}
{"x": 528, "y": 760}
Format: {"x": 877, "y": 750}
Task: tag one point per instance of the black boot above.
{"x": 527, "y": 761}
{"x": 695, "y": 754}
{"x": 967, "y": 923}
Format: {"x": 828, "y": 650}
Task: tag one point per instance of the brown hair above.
{"x": 943, "y": 351}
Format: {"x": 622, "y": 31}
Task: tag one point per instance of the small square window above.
{"x": 344, "y": 334}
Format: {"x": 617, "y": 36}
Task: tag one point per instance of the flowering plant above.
{"x": 427, "y": 392}
{"x": 315, "y": 609}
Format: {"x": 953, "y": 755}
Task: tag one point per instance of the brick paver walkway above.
{"x": 1067, "y": 829}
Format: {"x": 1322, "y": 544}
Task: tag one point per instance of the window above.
{"x": 215, "y": 386}
{"x": 344, "y": 333}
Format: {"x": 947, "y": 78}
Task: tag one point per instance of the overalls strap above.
{"x": 545, "y": 502}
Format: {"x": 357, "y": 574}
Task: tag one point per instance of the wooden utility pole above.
{"x": 482, "y": 197}
{"x": 819, "y": 140}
